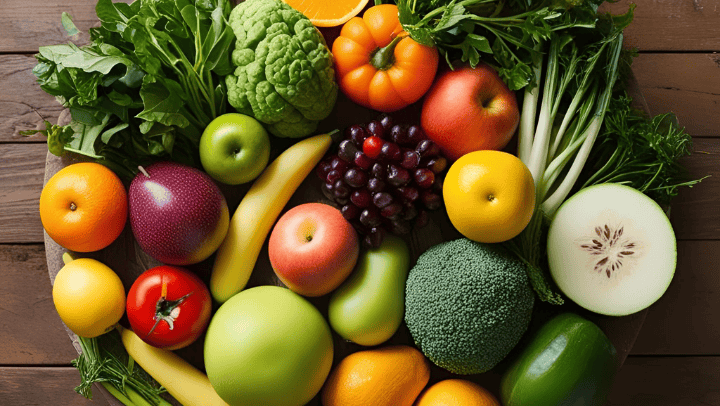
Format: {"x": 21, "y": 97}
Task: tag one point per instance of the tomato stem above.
{"x": 167, "y": 310}
{"x": 384, "y": 58}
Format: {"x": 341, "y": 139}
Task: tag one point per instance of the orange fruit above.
{"x": 489, "y": 196}
{"x": 323, "y": 13}
{"x": 456, "y": 392}
{"x": 83, "y": 207}
{"x": 387, "y": 376}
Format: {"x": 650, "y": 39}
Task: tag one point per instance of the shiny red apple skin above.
{"x": 468, "y": 110}
{"x": 313, "y": 249}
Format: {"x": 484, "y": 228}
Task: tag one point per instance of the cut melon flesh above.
{"x": 612, "y": 250}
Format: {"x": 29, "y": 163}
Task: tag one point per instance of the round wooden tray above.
{"x": 126, "y": 258}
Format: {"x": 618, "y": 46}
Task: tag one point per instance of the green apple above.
{"x": 234, "y": 148}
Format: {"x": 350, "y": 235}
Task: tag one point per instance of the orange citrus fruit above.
{"x": 456, "y": 392}
{"x": 324, "y": 13}
{"x": 83, "y": 207}
{"x": 489, "y": 196}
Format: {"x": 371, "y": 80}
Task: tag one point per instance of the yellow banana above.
{"x": 257, "y": 213}
{"x": 186, "y": 384}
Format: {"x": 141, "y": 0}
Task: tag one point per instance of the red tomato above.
{"x": 168, "y": 307}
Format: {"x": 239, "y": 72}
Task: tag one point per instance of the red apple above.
{"x": 313, "y": 249}
{"x": 468, "y": 110}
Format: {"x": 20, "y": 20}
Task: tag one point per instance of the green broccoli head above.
{"x": 467, "y": 305}
{"x": 284, "y": 76}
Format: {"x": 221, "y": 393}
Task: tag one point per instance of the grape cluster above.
{"x": 383, "y": 177}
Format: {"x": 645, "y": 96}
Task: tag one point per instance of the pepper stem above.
{"x": 384, "y": 58}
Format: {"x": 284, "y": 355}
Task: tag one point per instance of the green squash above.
{"x": 569, "y": 362}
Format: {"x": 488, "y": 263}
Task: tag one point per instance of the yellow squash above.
{"x": 257, "y": 213}
{"x": 186, "y": 384}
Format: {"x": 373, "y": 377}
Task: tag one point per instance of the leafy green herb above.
{"x": 504, "y": 35}
{"x": 641, "y": 152}
{"x": 148, "y": 83}
{"x": 105, "y": 361}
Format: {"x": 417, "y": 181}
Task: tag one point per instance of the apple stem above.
{"x": 144, "y": 172}
{"x": 384, "y": 58}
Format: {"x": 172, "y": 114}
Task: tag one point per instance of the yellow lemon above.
{"x": 456, "y": 392}
{"x": 489, "y": 196}
{"x": 89, "y": 297}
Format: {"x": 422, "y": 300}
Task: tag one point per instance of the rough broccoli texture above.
{"x": 467, "y": 305}
{"x": 284, "y": 76}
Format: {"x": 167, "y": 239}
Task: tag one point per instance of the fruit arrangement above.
{"x": 412, "y": 264}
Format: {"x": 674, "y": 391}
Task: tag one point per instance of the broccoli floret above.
{"x": 284, "y": 76}
{"x": 467, "y": 305}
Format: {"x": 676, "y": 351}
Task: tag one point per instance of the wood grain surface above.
{"x": 677, "y": 359}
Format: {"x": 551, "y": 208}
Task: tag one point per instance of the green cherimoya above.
{"x": 284, "y": 76}
{"x": 467, "y": 305}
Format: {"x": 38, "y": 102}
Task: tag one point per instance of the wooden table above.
{"x": 676, "y": 358}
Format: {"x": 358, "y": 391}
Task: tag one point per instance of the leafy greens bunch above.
{"x": 505, "y": 35}
{"x": 145, "y": 87}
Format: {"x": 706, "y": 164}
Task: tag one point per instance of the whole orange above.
{"x": 456, "y": 392}
{"x": 489, "y": 196}
{"x": 83, "y": 207}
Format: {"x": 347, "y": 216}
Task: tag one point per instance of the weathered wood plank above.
{"x": 686, "y": 84}
{"x": 667, "y": 381}
{"x": 695, "y": 214}
{"x": 29, "y": 386}
{"x": 23, "y": 105}
{"x": 26, "y": 308}
{"x": 672, "y": 25}
{"x": 684, "y": 320}
{"x": 21, "y": 180}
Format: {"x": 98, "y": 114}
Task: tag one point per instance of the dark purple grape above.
{"x": 342, "y": 200}
{"x": 398, "y": 176}
{"x": 400, "y": 226}
{"x": 333, "y": 176}
{"x": 382, "y": 199}
{"x": 356, "y": 134}
{"x": 375, "y": 128}
{"x": 322, "y": 169}
{"x": 410, "y": 212}
{"x": 422, "y": 219}
{"x": 378, "y": 170}
{"x": 409, "y": 193}
{"x": 415, "y": 134}
{"x": 327, "y": 189}
{"x": 424, "y": 178}
{"x": 432, "y": 201}
{"x": 375, "y": 185}
{"x": 361, "y": 198}
{"x": 340, "y": 189}
{"x": 363, "y": 161}
{"x": 437, "y": 164}
{"x": 437, "y": 187}
{"x": 347, "y": 150}
{"x": 375, "y": 237}
{"x": 350, "y": 211}
{"x": 391, "y": 210}
{"x": 370, "y": 218}
{"x": 386, "y": 121}
{"x": 391, "y": 151}
{"x": 427, "y": 148}
{"x": 356, "y": 177}
{"x": 411, "y": 159}
{"x": 339, "y": 165}
{"x": 398, "y": 134}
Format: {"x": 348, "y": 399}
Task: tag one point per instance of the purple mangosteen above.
{"x": 177, "y": 213}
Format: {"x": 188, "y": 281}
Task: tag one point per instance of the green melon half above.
{"x": 612, "y": 250}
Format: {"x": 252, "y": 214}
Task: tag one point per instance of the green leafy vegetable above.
{"x": 147, "y": 84}
{"x": 641, "y": 152}
{"x": 105, "y": 361}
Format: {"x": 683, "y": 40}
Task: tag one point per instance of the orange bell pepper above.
{"x": 378, "y": 65}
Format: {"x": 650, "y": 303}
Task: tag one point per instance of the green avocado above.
{"x": 569, "y": 362}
